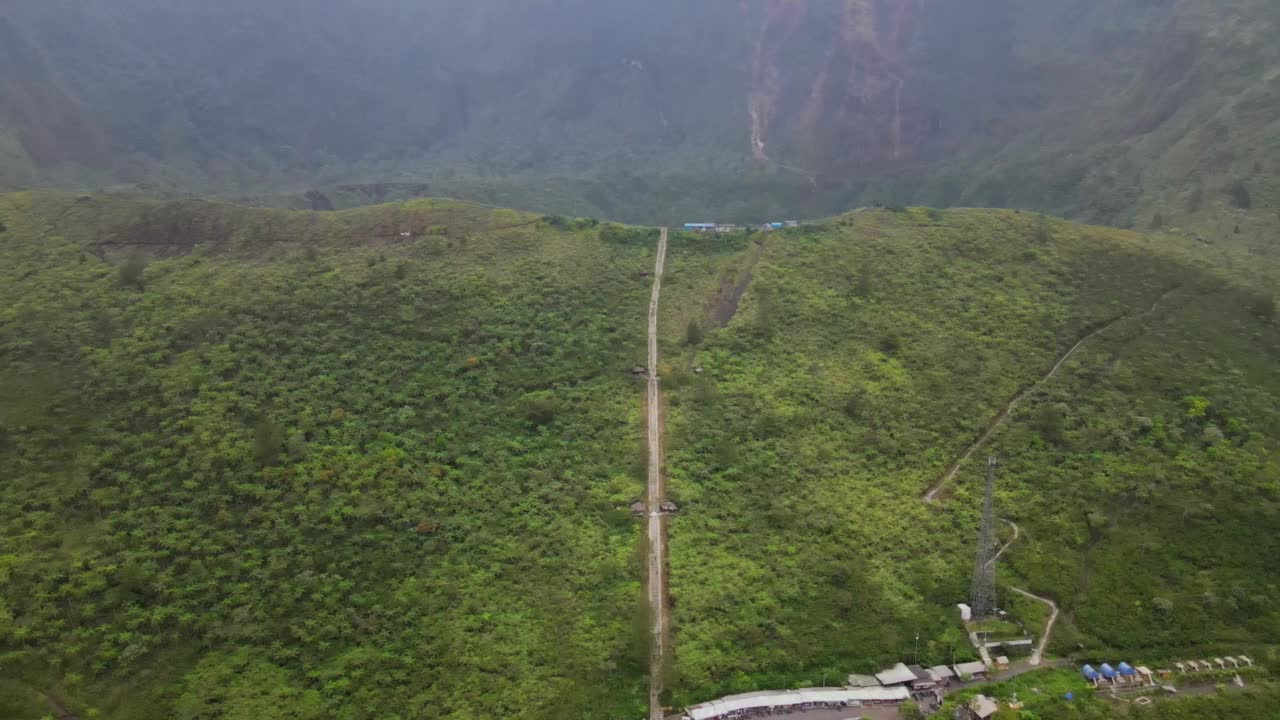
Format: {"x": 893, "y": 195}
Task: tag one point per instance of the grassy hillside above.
{"x": 869, "y": 351}
{"x": 274, "y": 464}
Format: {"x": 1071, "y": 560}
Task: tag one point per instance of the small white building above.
{"x": 966, "y": 612}
{"x": 982, "y": 707}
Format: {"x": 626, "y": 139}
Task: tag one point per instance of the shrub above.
{"x": 540, "y": 407}
{"x": 624, "y": 235}
{"x": 1042, "y": 233}
{"x": 1049, "y": 422}
{"x": 266, "y": 443}
{"x": 318, "y": 200}
{"x": 1263, "y": 305}
{"x": 1212, "y": 435}
{"x": 693, "y": 334}
{"x": 1195, "y": 200}
{"x": 863, "y": 288}
{"x": 853, "y": 406}
{"x": 131, "y": 272}
{"x": 890, "y": 343}
{"x": 1240, "y": 195}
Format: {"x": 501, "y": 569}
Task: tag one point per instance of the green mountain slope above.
{"x": 267, "y": 463}
{"x": 869, "y": 352}
{"x": 310, "y": 468}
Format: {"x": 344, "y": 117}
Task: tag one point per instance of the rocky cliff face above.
{"x": 828, "y": 80}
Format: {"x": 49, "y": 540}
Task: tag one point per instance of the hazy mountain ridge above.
{"x": 1106, "y": 111}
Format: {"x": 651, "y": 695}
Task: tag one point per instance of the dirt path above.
{"x": 1007, "y": 410}
{"x": 657, "y": 537}
{"x": 1017, "y": 531}
{"x": 1038, "y": 654}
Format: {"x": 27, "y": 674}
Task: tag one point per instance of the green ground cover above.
{"x": 267, "y": 463}
{"x": 869, "y": 351}
{"x": 312, "y": 469}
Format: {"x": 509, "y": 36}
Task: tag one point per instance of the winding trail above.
{"x": 1038, "y": 654}
{"x": 950, "y": 473}
{"x": 657, "y": 557}
{"x": 1017, "y": 532}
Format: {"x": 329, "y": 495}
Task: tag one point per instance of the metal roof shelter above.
{"x": 983, "y": 706}
{"x": 1244, "y": 660}
{"x": 790, "y": 698}
{"x": 939, "y": 673}
{"x": 860, "y": 681}
{"x": 970, "y": 668}
{"x": 896, "y": 675}
{"x": 923, "y": 681}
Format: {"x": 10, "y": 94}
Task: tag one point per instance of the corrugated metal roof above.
{"x": 940, "y": 672}
{"x": 860, "y": 681}
{"x": 896, "y": 675}
{"x": 765, "y": 699}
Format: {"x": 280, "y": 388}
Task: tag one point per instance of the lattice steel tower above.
{"x": 984, "y": 567}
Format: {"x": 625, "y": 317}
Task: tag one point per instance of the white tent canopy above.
{"x": 896, "y": 675}
{"x": 784, "y": 698}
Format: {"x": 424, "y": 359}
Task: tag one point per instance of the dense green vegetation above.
{"x": 276, "y": 464}
{"x": 865, "y": 356}
{"x": 376, "y": 463}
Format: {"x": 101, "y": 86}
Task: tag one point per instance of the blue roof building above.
{"x": 1089, "y": 673}
{"x": 1108, "y": 672}
{"x": 1127, "y": 670}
